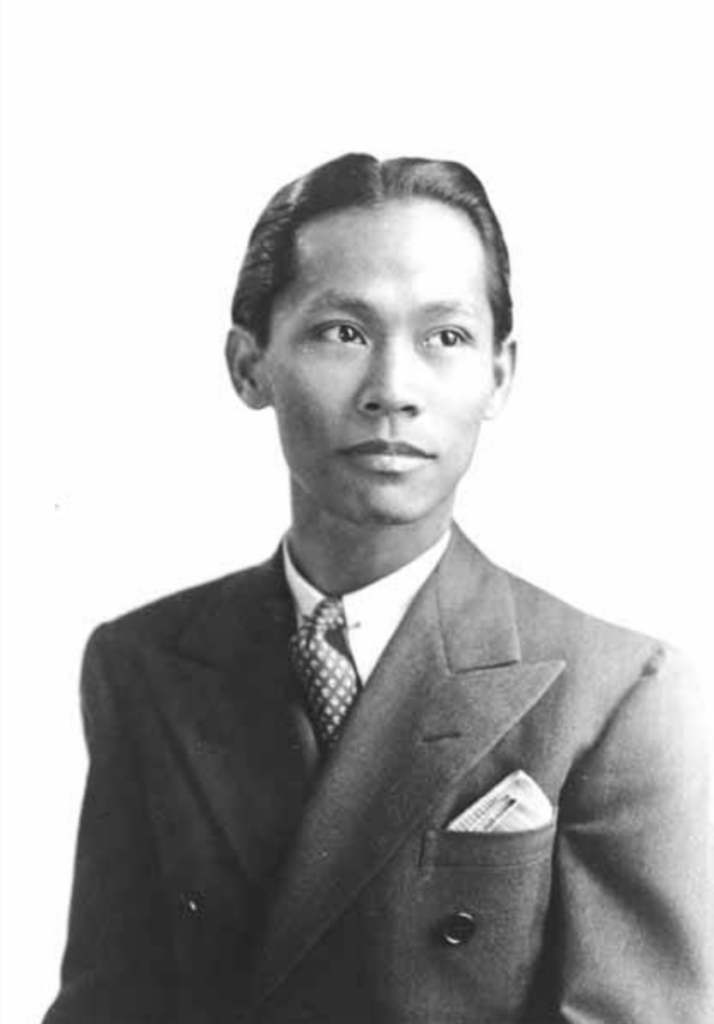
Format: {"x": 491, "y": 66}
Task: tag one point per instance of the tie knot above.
{"x": 328, "y": 614}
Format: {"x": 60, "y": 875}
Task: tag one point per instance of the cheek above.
{"x": 460, "y": 438}
{"x": 301, "y": 410}
{"x": 466, "y": 410}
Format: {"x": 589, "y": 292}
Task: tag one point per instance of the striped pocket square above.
{"x": 515, "y": 804}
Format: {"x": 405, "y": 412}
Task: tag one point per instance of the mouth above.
{"x": 387, "y": 456}
{"x": 377, "y": 447}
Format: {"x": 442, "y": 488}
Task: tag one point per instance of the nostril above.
{"x": 376, "y": 408}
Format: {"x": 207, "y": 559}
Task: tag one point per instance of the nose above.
{"x": 391, "y": 385}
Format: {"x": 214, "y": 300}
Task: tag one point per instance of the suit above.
{"x": 223, "y": 875}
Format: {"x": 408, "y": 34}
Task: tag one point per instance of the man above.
{"x": 378, "y": 779}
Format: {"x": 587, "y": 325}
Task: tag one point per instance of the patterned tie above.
{"x": 328, "y": 675}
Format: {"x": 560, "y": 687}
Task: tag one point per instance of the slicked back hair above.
{"x": 360, "y": 180}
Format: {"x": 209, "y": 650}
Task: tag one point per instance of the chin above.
{"x": 392, "y": 519}
{"x": 392, "y": 513}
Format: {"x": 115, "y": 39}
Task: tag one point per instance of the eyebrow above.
{"x": 351, "y": 304}
{"x": 447, "y": 309}
{"x": 362, "y": 310}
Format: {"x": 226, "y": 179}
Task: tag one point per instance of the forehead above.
{"x": 419, "y": 249}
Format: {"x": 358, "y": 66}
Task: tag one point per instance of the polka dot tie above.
{"x": 328, "y": 675}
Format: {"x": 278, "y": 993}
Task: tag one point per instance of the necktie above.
{"x": 327, "y": 673}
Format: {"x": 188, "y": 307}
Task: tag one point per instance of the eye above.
{"x": 344, "y": 334}
{"x": 447, "y": 337}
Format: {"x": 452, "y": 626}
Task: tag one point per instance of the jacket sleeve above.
{"x": 117, "y": 967}
{"x": 634, "y": 861}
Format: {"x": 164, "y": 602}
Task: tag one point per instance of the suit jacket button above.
{"x": 458, "y": 929}
{"x": 190, "y": 902}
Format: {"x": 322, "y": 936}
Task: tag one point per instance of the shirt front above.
{"x": 374, "y": 612}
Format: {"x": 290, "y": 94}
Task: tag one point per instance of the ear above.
{"x": 504, "y": 369}
{"x": 246, "y": 365}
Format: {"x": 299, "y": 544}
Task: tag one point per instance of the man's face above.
{"x": 381, "y": 365}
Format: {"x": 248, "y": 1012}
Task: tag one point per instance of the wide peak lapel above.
{"x": 422, "y": 721}
{"x": 233, "y": 720}
{"x": 476, "y": 609}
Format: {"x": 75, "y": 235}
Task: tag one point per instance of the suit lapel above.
{"x": 447, "y": 688}
{"x": 229, "y": 710}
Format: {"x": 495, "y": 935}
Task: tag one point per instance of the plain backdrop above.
{"x": 140, "y": 142}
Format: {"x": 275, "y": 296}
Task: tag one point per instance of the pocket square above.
{"x": 515, "y": 804}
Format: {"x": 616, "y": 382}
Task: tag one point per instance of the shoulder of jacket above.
{"x": 591, "y": 646}
{"x": 611, "y": 672}
{"x": 164, "y": 618}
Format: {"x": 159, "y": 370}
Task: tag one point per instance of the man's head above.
{"x": 376, "y": 322}
{"x": 353, "y": 181}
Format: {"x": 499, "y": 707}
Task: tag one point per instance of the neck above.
{"x": 339, "y": 557}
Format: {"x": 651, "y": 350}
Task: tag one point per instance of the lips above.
{"x": 388, "y": 448}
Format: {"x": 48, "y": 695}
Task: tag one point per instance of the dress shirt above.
{"x": 374, "y": 612}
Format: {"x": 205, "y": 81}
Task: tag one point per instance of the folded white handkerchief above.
{"x": 515, "y": 804}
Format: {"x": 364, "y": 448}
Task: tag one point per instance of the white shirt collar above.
{"x": 374, "y": 612}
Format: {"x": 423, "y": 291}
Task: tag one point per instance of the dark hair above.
{"x": 355, "y": 180}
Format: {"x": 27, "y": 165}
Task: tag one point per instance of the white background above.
{"x": 140, "y": 142}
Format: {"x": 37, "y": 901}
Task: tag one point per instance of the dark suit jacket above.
{"x": 222, "y": 876}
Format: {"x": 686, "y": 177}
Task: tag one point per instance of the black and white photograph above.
{"x": 357, "y": 512}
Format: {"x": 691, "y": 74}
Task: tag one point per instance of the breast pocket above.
{"x": 495, "y": 850}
